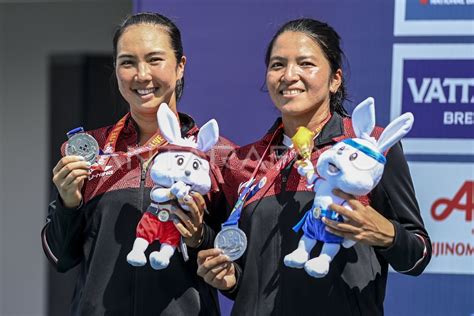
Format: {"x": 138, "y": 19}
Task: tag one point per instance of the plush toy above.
{"x": 355, "y": 166}
{"x": 180, "y": 167}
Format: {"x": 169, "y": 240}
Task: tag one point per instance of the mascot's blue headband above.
{"x": 366, "y": 150}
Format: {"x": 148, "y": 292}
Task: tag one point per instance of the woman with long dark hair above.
{"x": 305, "y": 81}
{"x": 94, "y": 213}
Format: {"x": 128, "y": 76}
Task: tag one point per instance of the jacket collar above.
{"x": 188, "y": 126}
{"x": 332, "y": 132}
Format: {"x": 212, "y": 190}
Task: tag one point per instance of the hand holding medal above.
{"x": 72, "y": 170}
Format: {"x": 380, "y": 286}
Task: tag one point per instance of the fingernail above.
{"x": 187, "y": 199}
{"x": 81, "y": 158}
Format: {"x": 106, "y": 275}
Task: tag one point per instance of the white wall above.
{"x": 30, "y": 32}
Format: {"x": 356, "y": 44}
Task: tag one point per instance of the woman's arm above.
{"x": 394, "y": 197}
{"x": 62, "y": 236}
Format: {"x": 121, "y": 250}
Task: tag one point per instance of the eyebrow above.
{"x": 298, "y": 58}
{"x": 156, "y": 52}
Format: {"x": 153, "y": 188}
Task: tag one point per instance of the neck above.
{"x": 313, "y": 122}
{"x": 147, "y": 125}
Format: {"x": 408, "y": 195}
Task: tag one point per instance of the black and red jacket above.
{"x": 355, "y": 284}
{"x": 101, "y": 232}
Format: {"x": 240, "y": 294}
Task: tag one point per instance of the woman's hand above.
{"x": 68, "y": 177}
{"x": 190, "y": 224}
{"x": 362, "y": 224}
{"x": 216, "y": 269}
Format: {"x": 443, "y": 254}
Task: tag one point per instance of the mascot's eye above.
{"x": 353, "y": 157}
{"x": 180, "y": 161}
{"x": 195, "y": 165}
{"x": 340, "y": 150}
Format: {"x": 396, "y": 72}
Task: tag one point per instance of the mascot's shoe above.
{"x": 317, "y": 267}
{"x": 159, "y": 260}
{"x": 296, "y": 259}
{"x": 136, "y": 258}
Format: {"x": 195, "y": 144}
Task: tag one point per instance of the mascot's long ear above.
{"x": 168, "y": 124}
{"x": 398, "y": 128}
{"x": 208, "y": 135}
{"x": 363, "y": 118}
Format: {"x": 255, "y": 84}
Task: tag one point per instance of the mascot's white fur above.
{"x": 354, "y": 166}
{"x": 179, "y": 168}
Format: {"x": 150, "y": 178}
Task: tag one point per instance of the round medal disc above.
{"x": 317, "y": 212}
{"x": 163, "y": 215}
{"x": 84, "y": 145}
{"x": 232, "y": 241}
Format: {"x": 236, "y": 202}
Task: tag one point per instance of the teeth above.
{"x": 291, "y": 92}
{"x": 145, "y": 91}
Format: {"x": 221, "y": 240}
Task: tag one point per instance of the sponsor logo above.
{"x": 105, "y": 173}
{"x": 463, "y": 201}
{"x": 436, "y": 84}
{"x": 447, "y": 205}
{"x": 443, "y": 208}
{"x": 449, "y": 248}
{"x": 442, "y": 91}
{"x": 446, "y": 2}
{"x": 434, "y": 17}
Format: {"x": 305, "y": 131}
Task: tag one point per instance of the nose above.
{"x": 291, "y": 73}
{"x": 187, "y": 173}
{"x": 143, "y": 73}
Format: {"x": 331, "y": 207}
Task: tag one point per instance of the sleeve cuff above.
{"x": 386, "y": 251}
{"x": 405, "y": 246}
{"x": 67, "y": 210}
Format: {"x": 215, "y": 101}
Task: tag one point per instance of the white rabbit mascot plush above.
{"x": 180, "y": 167}
{"x": 355, "y": 166}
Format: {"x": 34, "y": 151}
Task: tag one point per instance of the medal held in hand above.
{"x": 231, "y": 239}
{"x": 82, "y": 144}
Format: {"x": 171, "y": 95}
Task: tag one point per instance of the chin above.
{"x": 296, "y": 111}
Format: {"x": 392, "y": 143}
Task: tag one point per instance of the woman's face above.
{"x": 299, "y": 76}
{"x": 146, "y": 68}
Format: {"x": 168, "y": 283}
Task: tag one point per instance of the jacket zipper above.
{"x": 144, "y": 170}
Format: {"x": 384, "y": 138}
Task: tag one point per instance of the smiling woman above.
{"x": 300, "y": 81}
{"x": 306, "y": 84}
{"x": 94, "y": 211}
{"x": 150, "y": 69}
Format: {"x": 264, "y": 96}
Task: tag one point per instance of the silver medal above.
{"x": 82, "y": 144}
{"x": 232, "y": 241}
{"x": 317, "y": 212}
{"x": 163, "y": 215}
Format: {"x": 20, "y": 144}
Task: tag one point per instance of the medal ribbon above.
{"x": 248, "y": 192}
{"x": 249, "y": 189}
{"x": 151, "y": 146}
